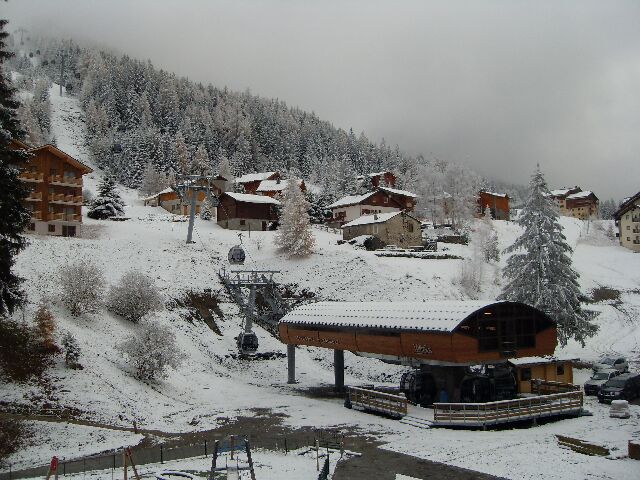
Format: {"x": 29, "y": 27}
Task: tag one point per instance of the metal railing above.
{"x": 505, "y": 411}
{"x": 373, "y": 400}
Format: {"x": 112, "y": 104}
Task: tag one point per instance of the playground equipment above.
{"x": 233, "y": 445}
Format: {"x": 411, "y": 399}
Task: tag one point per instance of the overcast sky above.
{"x": 497, "y": 85}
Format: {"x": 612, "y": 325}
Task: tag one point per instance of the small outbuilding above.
{"x": 391, "y": 228}
{"x": 543, "y": 368}
{"x": 242, "y": 211}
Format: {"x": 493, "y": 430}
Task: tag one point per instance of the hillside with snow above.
{"x": 213, "y": 386}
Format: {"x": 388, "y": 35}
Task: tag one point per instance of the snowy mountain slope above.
{"x": 212, "y": 385}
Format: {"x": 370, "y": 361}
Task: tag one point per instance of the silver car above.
{"x": 617, "y": 363}
{"x": 599, "y": 378}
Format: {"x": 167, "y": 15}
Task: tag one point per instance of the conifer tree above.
{"x": 294, "y": 233}
{"x": 200, "y": 164}
{"x": 14, "y": 217}
{"x": 108, "y": 202}
{"x": 206, "y": 209}
{"x": 152, "y": 181}
{"x": 540, "y": 272}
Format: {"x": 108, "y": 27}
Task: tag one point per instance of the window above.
{"x": 410, "y": 227}
{"x": 628, "y": 227}
{"x": 525, "y": 374}
{"x": 386, "y": 199}
{"x": 51, "y": 228}
{"x": 560, "y": 369}
{"x": 374, "y": 229}
{"x": 52, "y": 171}
{"x": 243, "y": 222}
{"x": 32, "y": 227}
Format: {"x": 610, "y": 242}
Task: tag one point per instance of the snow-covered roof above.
{"x": 254, "y": 177}
{"x": 404, "y": 193}
{"x": 350, "y": 200}
{"x": 248, "y": 198}
{"x": 274, "y": 185}
{"x": 584, "y": 194}
{"x": 442, "y": 316}
{"x": 538, "y": 360}
{"x": 376, "y": 174}
{"x": 369, "y": 219}
{"x": 503, "y": 195}
{"x": 560, "y": 192}
{"x": 155, "y": 195}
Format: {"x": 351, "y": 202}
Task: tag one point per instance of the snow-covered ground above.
{"x": 212, "y": 386}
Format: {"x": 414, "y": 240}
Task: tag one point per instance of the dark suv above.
{"x": 622, "y": 387}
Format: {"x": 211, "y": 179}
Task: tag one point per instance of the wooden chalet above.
{"x": 627, "y": 219}
{"x": 497, "y": 203}
{"x": 377, "y": 179}
{"x": 392, "y": 228}
{"x": 242, "y": 211}
{"x": 251, "y": 181}
{"x": 381, "y": 200}
{"x": 55, "y": 181}
{"x": 273, "y": 188}
{"x": 547, "y": 368}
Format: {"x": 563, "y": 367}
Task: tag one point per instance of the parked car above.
{"x": 622, "y": 387}
{"x": 619, "y": 409}
{"x": 599, "y": 378}
{"x": 619, "y": 363}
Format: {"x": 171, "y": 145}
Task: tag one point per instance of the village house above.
{"x": 381, "y": 200}
{"x": 391, "y": 228}
{"x": 55, "y": 182}
{"x": 497, "y": 203}
{"x": 574, "y": 202}
{"x": 377, "y": 179}
{"x": 272, "y": 188}
{"x": 242, "y": 211}
{"x": 251, "y": 181}
{"x": 171, "y": 202}
{"x": 627, "y": 219}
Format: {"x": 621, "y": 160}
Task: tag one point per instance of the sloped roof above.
{"x": 248, "y": 198}
{"x": 583, "y": 194}
{"x": 627, "y": 204}
{"x": 65, "y": 156}
{"x": 369, "y": 219}
{"x": 155, "y": 195}
{"x": 404, "y": 193}
{"x": 275, "y": 185}
{"x": 502, "y": 195}
{"x": 538, "y": 360}
{"x": 350, "y": 200}
{"x": 255, "y": 177}
{"x": 439, "y": 316}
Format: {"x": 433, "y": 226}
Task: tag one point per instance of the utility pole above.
{"x": 61, "y": 71}
{"x": 192, "y": 184}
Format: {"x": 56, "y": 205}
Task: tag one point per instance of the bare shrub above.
{"x": 134, "y": 297}
{"x": 22, "y": 352}
{"x": 14, "y": 434}
{"x": 152, "y": 351}
{"x": 82, "y": 287}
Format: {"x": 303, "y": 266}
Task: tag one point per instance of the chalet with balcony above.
{"x": 381, "y": 200}
{"x": 574, "y": 202}
{"x": 242, "y": 211}
{"x": 497, "y": 203}
{"x": 251, "y": 181}
{"x": 627, "y": 219}
{"x": 273, "y": 188}
{"x": 55, "y": 199}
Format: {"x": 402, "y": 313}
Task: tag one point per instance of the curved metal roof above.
{"x": 437, "y": 316}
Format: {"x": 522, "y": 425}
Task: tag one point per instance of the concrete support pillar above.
{"x": 338, "y": 369}
{"x": 291, "y": 361}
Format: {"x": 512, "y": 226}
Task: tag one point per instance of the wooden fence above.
{"x": 372, "y": 400}
{"x": 547, "y": 387}
{"x": 505, "y": 411}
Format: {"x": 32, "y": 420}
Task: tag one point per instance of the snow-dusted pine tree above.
{"x": 540, "y": 271}
{"x": 71, "y": 350}
{"x": 108, "y": 202}
{"x": 14, "y": 217}
{"x": 206, "y": 210}
{"x": 294, "y": 233}
{"x": 152, "y": 181}
{"x": 200, "y": 164}
{"x": 490, "y": 249}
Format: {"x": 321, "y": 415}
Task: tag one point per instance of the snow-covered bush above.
{"x": 152, "y": 351}
{"x": 82, "y": 286}
{"x": 294, "y": 233}
{"x": 108, "y": 202}
{"x": 71, "y": 350}
{"x": 134, "y": 296}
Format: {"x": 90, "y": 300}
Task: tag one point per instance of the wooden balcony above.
{"x": 34, "y": 197}
{"x": 64, "y": 217}
{"x": 37, "y": 215}
{"x": 31, "y": 177}
{"x": 65, "y": 181}
{"x": 65, "y": 199}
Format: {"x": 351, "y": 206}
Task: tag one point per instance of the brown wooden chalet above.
{"x": 251, "y": 181}
{"x": 242, "y": 211}
{"x": 381, "y": 200}
{"x": 574, "y": 202}
{"x": 55, "y": 181}
{"x": 273, "y": 188}
{"x": 497, "y": 203}
{"x": 377, "y": 179}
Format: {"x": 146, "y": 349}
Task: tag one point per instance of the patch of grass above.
{"x": 201, "y": 306}
{"x": 605, "y": 294}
